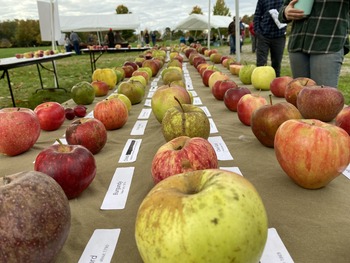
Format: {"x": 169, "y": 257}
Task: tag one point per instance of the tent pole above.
{"x": 238, "y": 33}
{"x": 209, "y": 27}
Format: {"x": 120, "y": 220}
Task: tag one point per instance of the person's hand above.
{"x": 292, "y": 13}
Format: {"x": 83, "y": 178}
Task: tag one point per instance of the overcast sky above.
{"x": 153, "y": 14}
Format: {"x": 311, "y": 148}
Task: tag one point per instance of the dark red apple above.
{"x": 294, "y": 87}
{"x": 88, "y": 132}
{"x": 221, "y": 86}
{"x": 128, "y": 69}
{"x": 232, "y": 96}
{"x": 72, "y": 166}
{"x": 206, "y": 75}
{"x": 131, "y": 63}
{"x": 51, "y": 115}
{"x": 70, "y": 115}
{"x": 80, "y": 111}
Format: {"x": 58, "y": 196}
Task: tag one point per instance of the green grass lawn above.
{"x": 28, "y": 93}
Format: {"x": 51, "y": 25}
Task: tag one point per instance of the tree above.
{"x": 196, "y": 10}
{"x": 221, "y": 9}
{"x": 122, "y": 9}
{"x": 27, "y": 33}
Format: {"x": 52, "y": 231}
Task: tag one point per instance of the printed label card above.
{"x": 144, "y": 114}
{"x": 197, "y": 101}
{"x": 139, "y": 127}
{"x": 130, "y": 151}
{"x": 213, "y": 128}
{"x": 232, "y": 169}
{"x": 346, "y": 172}
{"x": 220, "y": 148}
{"x": 205, "y": 109}
{"x": 148, "y": 102}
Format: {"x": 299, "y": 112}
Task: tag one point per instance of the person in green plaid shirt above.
{"x": 318, "y": 42}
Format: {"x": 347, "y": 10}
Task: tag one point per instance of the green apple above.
{"x": 147, "y": 69}
{"x": 245, "y": 74}
{"x": 207, "y": 215}
{"x": 123, "y": 98}
{"x": 262, "y": 77}
{"x": 140, "y": 79}
{"x": 171, "y": 74}
{"x": 185, "y": 120}
{"x": 134, "y": 90}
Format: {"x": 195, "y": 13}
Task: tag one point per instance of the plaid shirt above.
{"x": 324, "y": 31}
{"x": 263, "y": 22}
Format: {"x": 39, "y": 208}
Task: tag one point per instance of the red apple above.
{"x": 311, "y": 152}
{"x": 198, "y": 60}
{"x": 128, "y": 69}
{"x": 320, "y": 102}
{"x": 218, "y": 75}
{"x": 342, "y": 120}
{"x": 88, "y": 132}
{"x": 80, "y": 110}
{"x": 278, "y": 85}
{"x": 247, "y": 105}
{"x": 51, "y": 115}
{"x": 153, "y": 65}
{"x": 266, "y": 120}
{"x": 206, "y": 75}
{"x": 183, "y": 154}
{"x": 72, "y": 166}
{"x": 35, "y": 218}
{"x": 232, "y": 96}
{"x": 294, "y": 87}
{"x": 70, "y": 115}
{"x": 221, "y": 86}
{"x": 20, "y": 129}
{"x": 113, "y": 113}
{"x": 131, "y": 63}
{"x": 101, "y": 88}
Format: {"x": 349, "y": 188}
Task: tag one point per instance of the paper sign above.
{"x": 346, "y": 172}
{"x": 101, "y": 246}
{"x": 153, "y": 88}
{"x": 205, "y": 109}
{"x": 139, "y": 128}
{"x": 148, "y": 102}
{"x": 90, "y": 115}
{"x": 275, "y": 251}
{"x": 220, "y": 148}
{"x": 144, "y": 114}
{"x": 232, "y": 169}
{"x": 213, "y": 128}
{"x": 130, "y": 151}
{"x": 150, "y": 94}
{"x": 118, "y": 189}
{"x": 197, "y": 101}
{"x": 194, "y": 93}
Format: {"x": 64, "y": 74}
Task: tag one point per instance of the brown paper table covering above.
{"x": 314, "y": 225}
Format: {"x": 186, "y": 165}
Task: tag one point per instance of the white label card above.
{"x": 90, "y": 115}
{"x": 148, "y": 102}
{"x": 232, "y": 169}
{"x": 220, "y": 148}
{"x": 194, "y": 93}
{"x": 213, "y": 128}
{"x": 139, "y": 127}
{"x": 205, "y": 109}
{"x": 144, "y": 114}
{"x": 130, "y": 151}
{"x": 101, "y": 246}
{"x": 275, "y": 251}
{"x": 153, "y": 87}
{"x": 150, "y": 94}
{"x": 346, "y": 172}
{"x": 197, "y": 101}
{"x": 118, "y": 189}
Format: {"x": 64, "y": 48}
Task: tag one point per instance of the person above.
{"x": 117, "y": 38}
{"x": 318, "y": 42}
{"x": 153, "y": 37}
{"x": 74, "y": 38}
{"x": 232, "y": 35}
{"x": 146, "y": 37}
{"x": 110, "y": 38}
{"x": 182, "y": 40}
{"x": 252, "y": 36}
{"x": 270, "y": 37}
{"x": 67, "y": 43}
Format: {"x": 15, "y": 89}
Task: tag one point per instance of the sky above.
{"x": 153, "y": 14}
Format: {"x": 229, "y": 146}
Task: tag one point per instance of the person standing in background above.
{"x": 110, "y": 38}
{"x": 67, "y": 44}
{"x": 252, "y": 36}
{"x": 74, "y": 38}
{"x": 269, "y": 36}
{"x": 318, "y": 42}
{"x": 146, "y": 37}
{"x": 154, "y": 38}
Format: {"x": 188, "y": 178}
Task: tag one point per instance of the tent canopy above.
{"x": 200, "y": 22}
{"x": 91, "y": 23}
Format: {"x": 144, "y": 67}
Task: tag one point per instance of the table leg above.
{"x": 9, "y": 85}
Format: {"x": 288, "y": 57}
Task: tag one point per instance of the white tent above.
{"x": 93, "y": 23}
{"x": 200, "y": 22}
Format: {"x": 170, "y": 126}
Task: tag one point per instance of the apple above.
{"x": 20, "y": 130}
{"x": 153, "y": 65}
{"x": 171, "y": 74}
{"x": 69, "y": 112}
{"x": 123, "y": 98}
{"x": 342, "y": 120}
{"x": 107, "y": 75}
{"x": 51, "y": 115}
{"x": 295, "y": 86}
{"x": 183, "y": 154}
{"x": 80, "y": 110}
{"x": 221, "y": 86}
{"x": 35, "y": 218}
{"x": 140, "y": 79}
{"x": 146, "y": 69}
{"x": 311, "y": 152}
{"x": 128, "y": 69}
{"x": 72, "y": 166}
{"x": 262, "y": 77}
{"x": 134, "y": 90}
{"x": 320, "y": 102}
{"x": 163, "y": 99}
{"x": 206, "y": 215}
{"x": 113, "y": 113}
{"x": 144, "y": 74}
{"x": 175, "y": 63}
{"x": 131, "y": 63}
{"x": 278, "y": 86}
{"x": 247, "y": 104}
{"x": 266, "y": 120}
{"x": 232, "y": 96}
{"x": 217, "y": 75}
{"x": 198, "y": 60}
{"x": 215, "y": 58}
{"x": 245, "y": 74}
{"x": 101, "y": 88}
{"x": 83, "y": 93}
{"x": 235, "y": 67}
{"x": 206, "y": 75}
{"x": 88, "y": 132}
{"x": 185, "y": 120}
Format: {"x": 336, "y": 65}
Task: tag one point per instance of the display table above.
{"x": 314, "y": 225}
{"x": 95, "y": 54}
{"x": 13, "y": 62}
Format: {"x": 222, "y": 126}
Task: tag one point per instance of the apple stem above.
{"x": 270, "y": 97}
{"x": 179, "y": 104}
{"x": 59, "y": 141}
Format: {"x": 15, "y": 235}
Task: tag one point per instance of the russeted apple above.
{"x": 185, "y": 120}
{"x": 209, "y": 215}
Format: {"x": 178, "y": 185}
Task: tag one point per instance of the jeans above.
{"x": 276, "y": 48}
{"x": 76, "y": 47}
{"x": 324, "y": 69}
{"x": 232, "y": 44}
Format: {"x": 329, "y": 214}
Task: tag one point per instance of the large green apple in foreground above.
{"x": 202, "y": 216}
